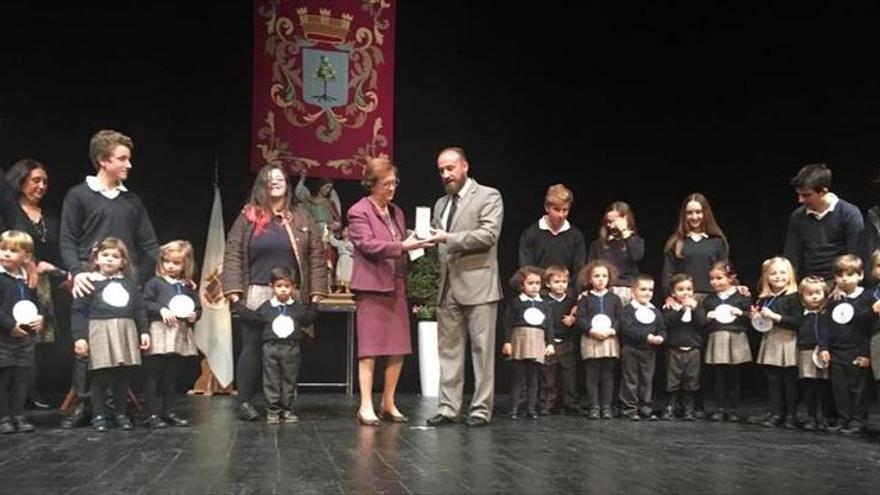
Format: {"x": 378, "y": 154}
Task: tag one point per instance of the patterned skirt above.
{"x": 779, "y": 348}
{"x": 726, "y": 347}
{"x": 114, "y": 342}
{"x": 44, "y": 297}
{"x": 595, "y": 349}
{"x": 173, "y": 340}
{"x": 875, "y": 355}
{"x": 806, "y": 367}
{"x": 624, "y": 293}
{"x": 528, "y": 343}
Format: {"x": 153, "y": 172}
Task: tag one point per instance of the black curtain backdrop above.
{"x": 637, "y": 103}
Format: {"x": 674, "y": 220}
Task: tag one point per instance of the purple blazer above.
{"x": 375, "y": 252}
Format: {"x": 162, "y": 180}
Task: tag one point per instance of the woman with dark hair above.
{"x": 697, "y": 243}
{"x": 620, "y": 244}
{"x": 270, "y": 231}
{"x": 29, "y": 180}
{"x": 378, "y": 232}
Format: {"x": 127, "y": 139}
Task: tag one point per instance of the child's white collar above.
{"x": 21, "y": 272}
{"x": 638, "y": 305}
{"x": 855, "y": 293}
{"x": 727, "y": 293}
{"x": 597, "y": 293}
{"x": 275, "y": 302}
{"x": 557, "y": 299}
{"x": 110, "y": 192}
{"x": 101, "y": 276}
{"x": 524, "y": 298}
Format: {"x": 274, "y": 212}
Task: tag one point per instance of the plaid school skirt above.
{"x": 808, "y": 369}
{"x": 726, "y": 347}
{"x": 528, "y": 344}
{"x": 595, "y": 349}
{"x": 778, "y": 348}
{"x": 114, "y": 342}
{"x": 172, "y": 340}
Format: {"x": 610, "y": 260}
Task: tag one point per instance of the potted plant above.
{"x": 422, "y": 285}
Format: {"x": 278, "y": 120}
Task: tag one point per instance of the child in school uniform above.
{"x": 850, "y": 319}
{"x": 598, "y": 314}
{"x": 778, "y": 315}
{"x": 620, "y": 244}
{"x": 110, "y": 327}
{"x": 559, "y": 374}
{"x": 727, "y": 346}
{"x": 282, "y": 318}
{"x": 20, "y": 323}
{"x": 172, "y": 307}
{"x": 875, "y": 328}
{"x": 528, "y": 337}
{"x": 812, "y": 335}
{"x": 684, "y": 321}
{"x": 642, "y": 332}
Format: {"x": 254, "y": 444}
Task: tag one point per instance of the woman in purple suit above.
{"x": 378, "y": 232}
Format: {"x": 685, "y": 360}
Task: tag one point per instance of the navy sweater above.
{"x": 812, "y": 244}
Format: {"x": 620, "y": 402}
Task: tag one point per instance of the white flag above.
{"x": 213, "y": 332}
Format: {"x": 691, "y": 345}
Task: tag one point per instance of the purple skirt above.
{"x": 383, "y": 322}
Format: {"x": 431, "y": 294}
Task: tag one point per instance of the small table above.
{"x": 349, "y": 309}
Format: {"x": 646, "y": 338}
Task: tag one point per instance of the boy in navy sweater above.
{"x": 642, "y": 332}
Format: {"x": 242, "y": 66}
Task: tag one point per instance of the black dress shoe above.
{"x": 6, "y": 425}
{"x": 852, "y": 429}
{"x": 22, "y": 425}
{"x": 441, "y": 420}
{"x": 477, "y": 421}
{"x": 247, "y": 412}
{"x": 532, "y": 415}
{"x": 77, "y": 417}
{"x": 154, "y": 422}
{"x": 174, "y": 420}
{"x": 99, "y": 423}
{"x": 122, "y": 422}
{"x": 36, "y": 405}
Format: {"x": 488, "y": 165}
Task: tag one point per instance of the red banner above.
{"x": 323, "y": 85}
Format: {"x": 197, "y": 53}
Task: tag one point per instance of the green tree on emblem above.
{"x": 325, "y": 73}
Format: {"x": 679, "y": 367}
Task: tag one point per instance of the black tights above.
{"x": 161, "y": 368}
{"x": 13, "y": 387}
{"x": 782, "y": 388}
{"x": 600, "y": 381}
{"x": 816, "y": 395}
{"x": 727, "y": 386}
{"x": 116, "y": 378}
{"x": 525, "y": 372}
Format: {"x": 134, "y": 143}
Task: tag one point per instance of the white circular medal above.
{"x": 25, "y": 312}
{"x": 645, "y": 316}
{"x": 843, "y": 313}
{"x": 818, "y": 362}
{"x": 181, "y": 305}
{"x": 601, "y": 323}
{"x": 724, "y": 314}
{"x": 762, "y": 324}
{"x": 534, "y": 316}
{"x": 282, "y": 326}
{"x": 115, "y": 295}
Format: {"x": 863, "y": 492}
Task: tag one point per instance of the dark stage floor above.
{"x": 328, "y": 453}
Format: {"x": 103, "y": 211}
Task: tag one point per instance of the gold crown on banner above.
{"x": 322, "y": 27}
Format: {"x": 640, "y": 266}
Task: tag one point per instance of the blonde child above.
{"x": 20, "y": 324}
{"x": 528, "y": 337}
{"x": 110, "y": 327}
{"x": 559, "y": 374}
{"x": 812, "y": 335}
{"x": 849, "y": 325}
{"x": 598, "y": 315}
{"x": 778, "y": 314}
{"x": 727, "y": 346}
{"x": 172, "y": 307}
